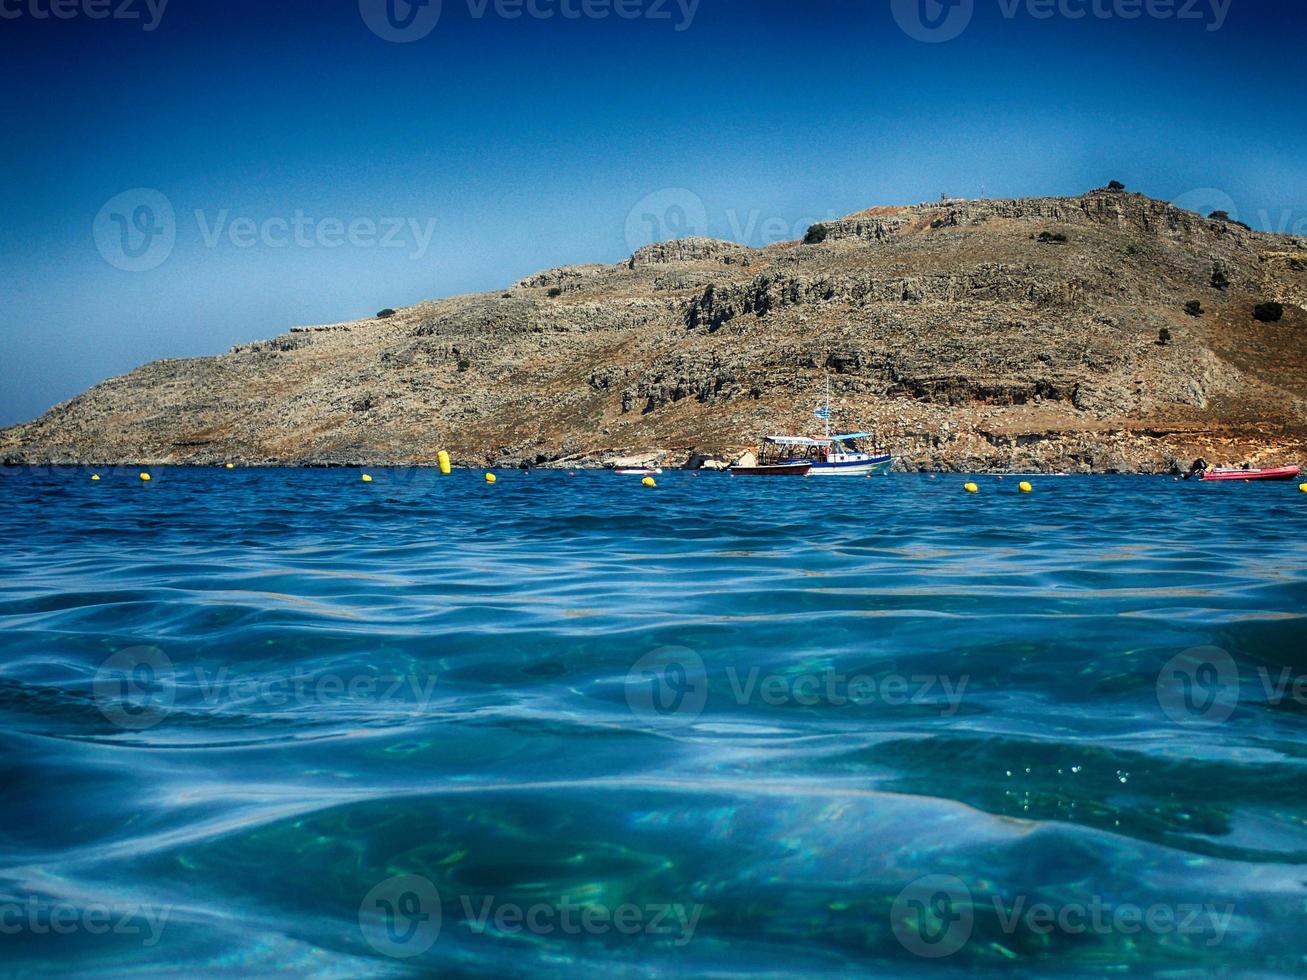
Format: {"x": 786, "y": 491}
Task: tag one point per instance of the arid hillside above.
{"x": 1021, "y": 334}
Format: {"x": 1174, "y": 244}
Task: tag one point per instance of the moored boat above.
{"x": 776, "y": 457}
{"x": 841, "y": 456}
{"x": 1232, "y": 473}
{"x": 778, "y": 469}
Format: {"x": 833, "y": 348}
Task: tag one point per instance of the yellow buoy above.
{"x": 491, "y": 478}
{"x": 445, "y": 465}
{"x": 367, "y": 478}
{"x": 95, "y": 477}
{"x": 145, "y": 477}
{"x": 971, "y": 488}
{"x": 1025, "y": 487}
{"x": 649, "y": 481}
{"x": 1303, "y": 487}
{"x": 231, "y": 466}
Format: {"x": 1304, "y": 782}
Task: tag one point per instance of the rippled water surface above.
{"x": 285, "y": 721}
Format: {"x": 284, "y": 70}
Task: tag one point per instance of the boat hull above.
{"x": 860, "y": 467}
{"x": 780, "y": 469}
{"x": 1279, "y": 473}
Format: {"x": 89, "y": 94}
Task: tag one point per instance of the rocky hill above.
{"x": 1020, "y": 334}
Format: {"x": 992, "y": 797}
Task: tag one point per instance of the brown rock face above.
{"x": 1021, "y": 334}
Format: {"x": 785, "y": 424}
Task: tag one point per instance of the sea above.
{"x": 292, "y": 722}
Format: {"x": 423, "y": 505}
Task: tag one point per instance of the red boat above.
{"x": 1278, "y": 473}
{"x": 781, "y": 469}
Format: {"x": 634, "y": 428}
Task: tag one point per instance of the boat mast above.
{"x": 828, "y": 405}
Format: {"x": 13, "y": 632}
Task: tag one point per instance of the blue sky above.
{"x": 317, "y": 171}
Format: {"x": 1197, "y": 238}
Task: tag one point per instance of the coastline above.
{"x": 1103, "y": 333}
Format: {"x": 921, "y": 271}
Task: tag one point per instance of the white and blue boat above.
{"x": 842, "y": 455}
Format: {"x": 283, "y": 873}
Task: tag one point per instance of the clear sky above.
{"x": 182, "y": 176}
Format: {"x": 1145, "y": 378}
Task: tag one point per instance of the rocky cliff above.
{"x": 1022, "y": 334}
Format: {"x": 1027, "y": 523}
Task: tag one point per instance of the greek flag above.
{"x": 821, "y": 413}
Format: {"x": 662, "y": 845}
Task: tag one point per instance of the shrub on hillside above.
{"x": 1052, "y": 238}
{"x": 1164, "y": 336}
{"x": 555, "y": 292}
{"x": 1194, "y": 308}
{"x": 816, "y": 235}
{"x": 1225, "y": 216}
{"x": 1116, "y": 185}
{"x": 1269, "y": 312}
{"x": 1219, "y": 279}
{"x": 384, "y": 314}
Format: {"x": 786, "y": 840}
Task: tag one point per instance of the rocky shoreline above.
{"x": 1104, "y": 333}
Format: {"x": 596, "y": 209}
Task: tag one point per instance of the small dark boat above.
{"x": 775, "y": 469}
{"x": 776, "y": 458}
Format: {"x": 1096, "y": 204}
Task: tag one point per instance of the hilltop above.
{"x": 991, "y": 334}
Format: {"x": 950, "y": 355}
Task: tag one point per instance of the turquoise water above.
{"x": 260, "y": 721}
